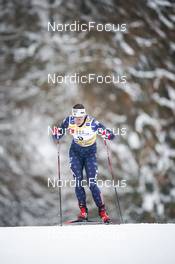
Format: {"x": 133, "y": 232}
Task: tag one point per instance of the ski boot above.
{"x": 102, "y": 213}
{"x": 83, "y": 215}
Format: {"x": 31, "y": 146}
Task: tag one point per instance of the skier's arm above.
{"x": 101, "y": 130}
{"x": 61, "y": 130}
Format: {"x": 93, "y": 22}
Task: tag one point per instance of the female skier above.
{"x": 82, "y": 154}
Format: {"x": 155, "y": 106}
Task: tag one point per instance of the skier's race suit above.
{"x": 82, "y": 154}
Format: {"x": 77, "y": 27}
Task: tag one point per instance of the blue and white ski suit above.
{"x": 82, "y": 154}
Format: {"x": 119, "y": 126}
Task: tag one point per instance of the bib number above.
{"x": 80, "y": 138}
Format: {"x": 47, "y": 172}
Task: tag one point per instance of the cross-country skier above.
{"x": 82, "y": 154}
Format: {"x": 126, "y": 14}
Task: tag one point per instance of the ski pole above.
{"x": 59, "y": 180}
{"x": 117, "y": 203}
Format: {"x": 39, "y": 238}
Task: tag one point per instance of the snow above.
{"x": 133, "y": 140}
{"x": 144, "y": 119}
{"x": 163, "y": 101}
{"x": 155, "y": 3}
{"x": 123, "y": 244}
{"x": 123, "y": 44}
{"x": 158, "y": 73}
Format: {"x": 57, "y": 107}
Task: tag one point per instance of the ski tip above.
{"x": 75, "y": 221}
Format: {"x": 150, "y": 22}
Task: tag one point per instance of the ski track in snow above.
{"x": 123, "y": 244}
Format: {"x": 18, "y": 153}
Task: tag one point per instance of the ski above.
{"x": 86, "y": 222}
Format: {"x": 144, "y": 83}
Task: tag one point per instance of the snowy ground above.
{"x": 122, "y": 244}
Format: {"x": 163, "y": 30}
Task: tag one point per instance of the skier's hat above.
{"x": 78, "y": 111}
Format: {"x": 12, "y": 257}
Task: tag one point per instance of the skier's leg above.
{"x": 91, "y": 172}
{"x": 76, "y": 165}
